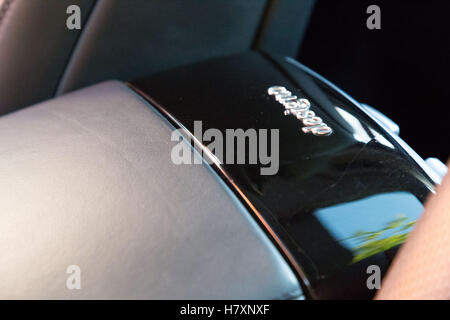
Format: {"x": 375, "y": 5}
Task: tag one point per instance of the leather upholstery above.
{"x": 35, "y": 46}
{"x": 86, "y": 179}
{"x": 130, "y": 39}
{"x": 125, "y": 40}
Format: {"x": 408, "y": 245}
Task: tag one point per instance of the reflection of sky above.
{"x": 369, "y": 214}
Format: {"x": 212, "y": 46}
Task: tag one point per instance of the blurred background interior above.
{"x": 401, "y": 69}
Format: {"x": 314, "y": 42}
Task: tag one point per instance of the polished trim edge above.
{"x": 220, "y": 170}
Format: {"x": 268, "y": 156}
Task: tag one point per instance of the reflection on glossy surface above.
{"x": 322, "y": 181}
{"x": 360, "y": 134}
{"x": 373, "y": 224}
{"x": 381, "y": 139}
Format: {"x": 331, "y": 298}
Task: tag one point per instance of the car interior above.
{"x": 357, "y": 124}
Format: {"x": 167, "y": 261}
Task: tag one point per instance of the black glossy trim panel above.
{"x": 329, "y": 192}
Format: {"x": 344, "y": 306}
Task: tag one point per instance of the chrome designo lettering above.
{"x": 300, "y": 108}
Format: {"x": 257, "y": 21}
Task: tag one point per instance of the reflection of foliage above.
{"x": 372, "y": 242}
